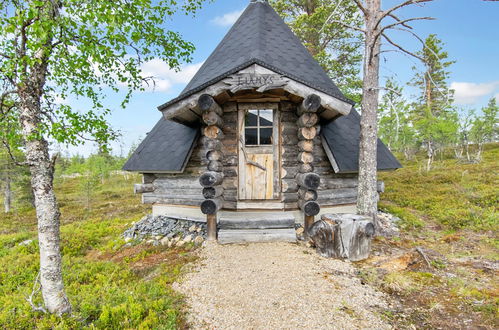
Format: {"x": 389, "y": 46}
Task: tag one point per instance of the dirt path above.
{"x": 277, "y": 286}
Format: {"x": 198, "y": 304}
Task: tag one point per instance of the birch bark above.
{"x": 367, "y": 194}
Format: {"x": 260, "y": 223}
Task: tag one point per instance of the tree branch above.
{"x": 361, "y": 6}
{"x": 401, "y": 48}
{"x": 399, "y": 20}
{"x": 403, "y": 4}
{"x": 14, "y": 159}
{"x": 402, "y": 22}
{"x": 349, "y": 26}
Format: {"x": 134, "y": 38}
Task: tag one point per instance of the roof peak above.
{"x": 261, "y": 36}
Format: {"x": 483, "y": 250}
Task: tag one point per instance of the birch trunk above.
{"x": 367, "y": 195}
{"x": 47, "y": 211}
{"x": 7, "y": 200}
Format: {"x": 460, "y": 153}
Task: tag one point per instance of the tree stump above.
{"x": 343, "y": 236}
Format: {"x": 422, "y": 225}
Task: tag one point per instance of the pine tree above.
{"x": 432, "y": 113}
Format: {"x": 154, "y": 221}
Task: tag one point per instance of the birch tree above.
{"x": 54, "y": 48}
{"x": 377, "y": 23}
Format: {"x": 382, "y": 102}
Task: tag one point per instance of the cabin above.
{"x": 260, "y": 139}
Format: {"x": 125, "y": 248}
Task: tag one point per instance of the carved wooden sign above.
{"x": 262, "y": 82}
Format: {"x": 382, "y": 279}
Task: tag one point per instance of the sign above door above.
{"x": 262, "y": 82}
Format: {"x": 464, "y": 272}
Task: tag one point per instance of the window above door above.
{"x": 258, "y": 127}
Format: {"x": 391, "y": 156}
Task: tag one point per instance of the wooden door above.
{"x": 258, "y": 152}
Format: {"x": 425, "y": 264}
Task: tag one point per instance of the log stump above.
{"x": 343, "y": 236}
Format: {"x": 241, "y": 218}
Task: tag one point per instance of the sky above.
{"x": 468, "y": 28}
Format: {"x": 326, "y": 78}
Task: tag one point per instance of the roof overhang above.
{"x": 185, "y": 110}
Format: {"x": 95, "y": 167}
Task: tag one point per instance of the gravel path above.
{"x": 277, "y": 286}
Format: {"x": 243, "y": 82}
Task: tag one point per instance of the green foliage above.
{"x": 395, "y": 127}
{"x": 435, "y": 94}
{"x": 83, "y": 49}
{"x": 106, "y": 287}
{"x": 336, "y": 48}
{"x": 455, "y": 195}
{"x": 485, "y": 128}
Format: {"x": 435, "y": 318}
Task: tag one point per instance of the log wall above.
{"x": 185, "y": 189}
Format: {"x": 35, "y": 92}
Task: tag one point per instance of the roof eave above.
{"x": 336, "y": 106}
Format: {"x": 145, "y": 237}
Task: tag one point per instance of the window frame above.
{"x": 258, "y": 127}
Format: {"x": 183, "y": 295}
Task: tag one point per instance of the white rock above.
{"x": 170, "y": 244}
{"x": 26, "y": 242}
{"x": 198, "y": 240}
{"x": 299, "y": 231}
{"x": 188, "y": 238}
{"x": 199, "y": 229}
{"x": 177, "y": 238}
{"x": 192, "y": 228}
{"x": 158, "y": 238}
{"x": 180, "y": 243}
{"x": 151, "y": 241}
{"x": 128, "y": 239}
{"x": 164, "y": 241}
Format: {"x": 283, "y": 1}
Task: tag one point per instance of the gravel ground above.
{"x": 277, "y": 286}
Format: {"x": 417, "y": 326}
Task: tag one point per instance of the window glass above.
{"x": 258, "y": 127}
{"x": 265, "y": 135}
{"x": 250, "y": 136}
{"x": 266, "y": 117}
{"x": 251, "y": 118}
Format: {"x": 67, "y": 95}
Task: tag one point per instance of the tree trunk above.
{"x": 367, "y": 195}
{"x": 7, "y": 194}
{"x": 47, "y": 210}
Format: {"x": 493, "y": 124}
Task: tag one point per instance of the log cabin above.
{"x": 260, "y": 139}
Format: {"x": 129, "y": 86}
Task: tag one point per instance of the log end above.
{"x": 211, "y": 206}
{"x": 312, "y": 103}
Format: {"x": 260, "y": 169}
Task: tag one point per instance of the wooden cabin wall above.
{"x": 184, "y": 188}
{"x": 230, "y": 161}
{"x": 335, "y": 189}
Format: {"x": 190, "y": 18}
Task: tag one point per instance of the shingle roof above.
{"x": 165, "y": 149}
{"x": 168, "y": 146}
{"x": 260, "y": 36}
{"x": 342, "y": 136}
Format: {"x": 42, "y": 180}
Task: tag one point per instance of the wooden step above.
{"x": 227, "y": 236}
{"x": 256, "y": 222}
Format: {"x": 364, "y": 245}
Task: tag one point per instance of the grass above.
{"x": 451, "y": 213}
{"x": 110, "y": 285}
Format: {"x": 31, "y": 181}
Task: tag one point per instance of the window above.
{"x": 258, "y": 127}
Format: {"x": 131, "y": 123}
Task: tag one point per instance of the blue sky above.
{"x": 469, "y": 29}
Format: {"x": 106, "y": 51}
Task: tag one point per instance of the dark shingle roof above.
{"x": 165, "y": 149}
{"x": 168, "y": 146}
{"x": 342, "y": 136}
{"x": 260, "y": 36}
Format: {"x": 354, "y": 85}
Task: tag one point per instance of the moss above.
{"x": 454, "y": 195}
{"x": 106, "y": 291}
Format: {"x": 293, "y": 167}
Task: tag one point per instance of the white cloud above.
{"x": 227, "y": 19}
{"x": 164, "y": 77}
{"x": 497, "y": 97}
{"x": 469, "y": 93}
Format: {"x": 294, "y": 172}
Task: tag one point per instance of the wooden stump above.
{"x": 211, "y": 227}
{"x": 343, "y": 236}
